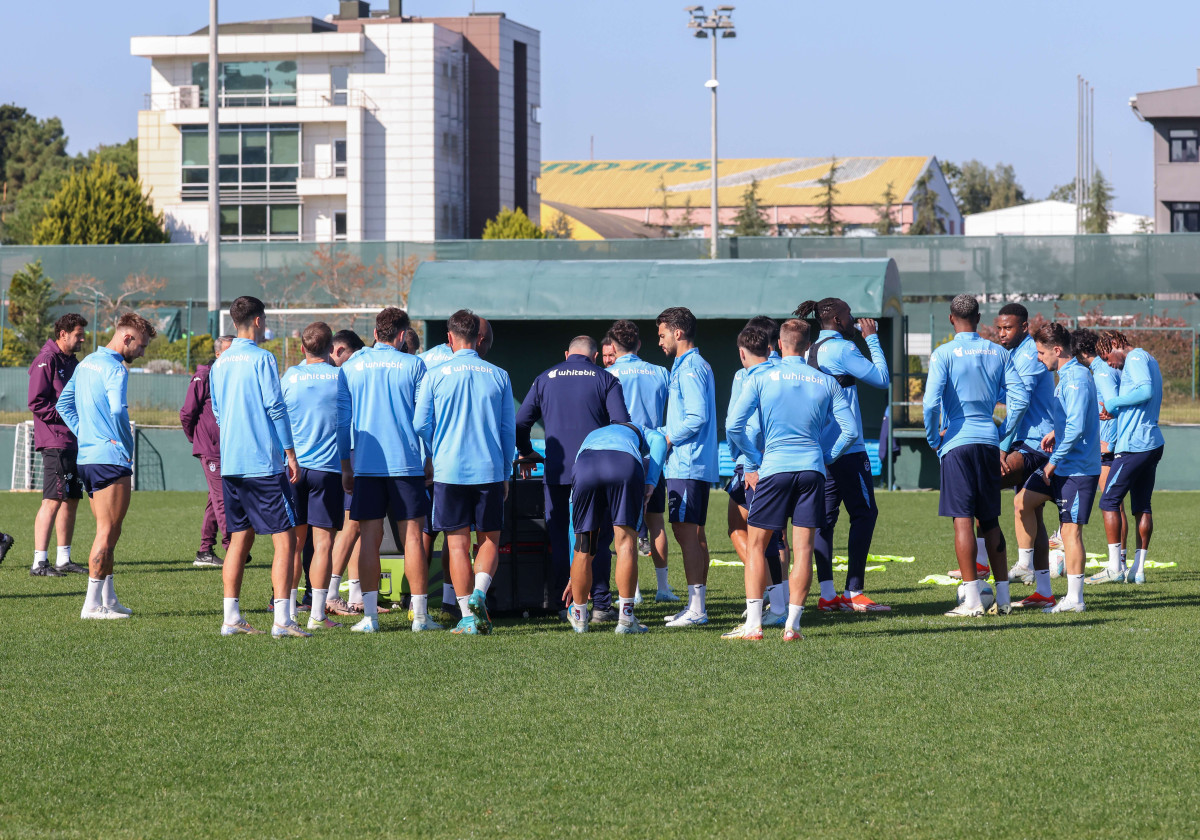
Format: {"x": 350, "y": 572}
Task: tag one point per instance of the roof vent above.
{"x": 353, "y": 10}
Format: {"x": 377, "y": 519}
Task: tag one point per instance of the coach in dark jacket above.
{"x": 572, "y": 399}
{"x": 62, "y": 488}
{"x": 200, "y": 426}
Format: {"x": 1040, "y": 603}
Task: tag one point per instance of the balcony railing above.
{"x": 322, "y": 169}
{"x": 192, "y": 96}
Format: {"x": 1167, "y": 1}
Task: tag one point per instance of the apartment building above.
{"x": 359, "y": 126}
{"x": 1174, "y": 115}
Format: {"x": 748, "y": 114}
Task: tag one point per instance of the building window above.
{"x": 260, "y": 223}
{"x": 1185, "y": 145}
{"x": 253, "y": 158}
{"x": 339, "y": 83}
{"x": 339, "y": 158}
{"x": 249, "y": 83}
{"x": 1185, "y": 216}
{"x": 339, "y": 226}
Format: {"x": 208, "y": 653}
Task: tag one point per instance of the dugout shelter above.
{"x": 536, "y": 307}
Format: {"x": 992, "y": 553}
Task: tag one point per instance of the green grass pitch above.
{"x": 901, "y": 725}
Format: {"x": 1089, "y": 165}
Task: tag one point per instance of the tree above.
{"x": 927, "y": 213}
{"x": 885, "y": 219}
{"x": 26, "y": 213}
{"x": 751, "y": 219}
{"x": 97, "y": 206}
{"x": 31, "y": 296}
{"x": 140, "y": 287}
{"x": 977, "y": 188}
{"x": 512, "y": 224}
{"x": 1063, "y": 192}
{"x": 827, "y": 221}
{"x": 123, "y": 155}
{"x": 341, "y": 275}
{"x": 1006, "y": 192}
{"x": 560, "y": 228}
{"x": 1098, "y": 210}
{"x": 33, "y": 148}
{"x": 399, "y": 276}
{"x": 686, "y": 224}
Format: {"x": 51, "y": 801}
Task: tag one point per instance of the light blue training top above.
{"x": 841, "y": 357}
{"x": 94, "y": 406}
{"x": 795, "y": 402}
{"x": 644, "y": 386}
{"x": 436, "y": 356}
{"x": 1138, "y": 403}
{"x": 1036, "y": 421}
{"x": 754, "y": 423}
{"x": 310, "y": 392}
{"x": 1108, "y": 384}
{"x": 966, "y": 378}
{"x": 465, "y": 416}
{"x": 380, "y": 386}
{"x": 618, "y": 437}
{"x": 691, "y": 426}
{"x": 1076, "y": 422}
{"x": 247, "y": 402}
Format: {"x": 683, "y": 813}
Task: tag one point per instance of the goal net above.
{"x": 27, "y": 465}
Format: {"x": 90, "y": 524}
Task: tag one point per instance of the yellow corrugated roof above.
{"x": 782, "y": 181}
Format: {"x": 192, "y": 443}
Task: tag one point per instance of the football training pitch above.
{"x": 900, "y": 725}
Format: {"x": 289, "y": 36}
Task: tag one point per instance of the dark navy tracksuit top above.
{"x": 572, "y": 399}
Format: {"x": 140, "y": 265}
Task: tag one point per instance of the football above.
{"x": 986, "y": 596}
{"x": 1058, "y": 563}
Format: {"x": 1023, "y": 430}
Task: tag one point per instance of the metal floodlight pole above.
{"x": 214, "y": 199}
{"x": 719, "y": 20}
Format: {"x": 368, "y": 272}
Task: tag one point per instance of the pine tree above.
{"x": 31, "y": 296}
{"x": 1098, "y": 210}
{"x": 686, "y": 226}
{"x": 927, "y": 213}
{"x": 885, "y": 220}
{"x": 751, "y": 219}
{"x": 828, "y": 223}
{"x": 97, "y": 206}
{"x": 512, "y": 224}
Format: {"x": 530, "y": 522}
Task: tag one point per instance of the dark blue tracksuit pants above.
{"x": 562, "y": 549}
{"x": 848, "y": 482}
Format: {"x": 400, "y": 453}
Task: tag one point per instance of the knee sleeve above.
{"x": 986, "y": 525}
{"x": 774, "y": 567}
{"x": 586, "y": 542}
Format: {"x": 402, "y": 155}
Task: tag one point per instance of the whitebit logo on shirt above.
{"x": 447, "y": 368}
{"x": 958, "y": 352}
{"x": 774, "y": 375}
{"x": 570, "y": 372}
{"x": 982, "y": 351}
{"x": 446, "y": 371}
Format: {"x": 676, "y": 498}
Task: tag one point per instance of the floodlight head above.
{"x": 694, "y": 9}
{"x": 700, "y": 33}
{"x": 728, "y": 33}
{"x": 724, "y": 9}
{"x": 711, "y": 83}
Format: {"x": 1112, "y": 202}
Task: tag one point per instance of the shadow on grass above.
{"x": 987, "y": 624}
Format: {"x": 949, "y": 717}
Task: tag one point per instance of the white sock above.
{"x": 281, "y": 614}
{"x": 981, "y": 558}
{"x": 371, "y": 604}
{"x": 447, "y": 593}
{"x": 232, "y": 614}
{"x": 1001, "y": 590}
{"x": 1025, "y": 558}
{"x": 703, "y": 591}
{"x": 971, "y": 595}
{"x": 661, "y": 576}
{"x": 318, "y": 604}
{"x": 1124, "y": 556}
{"x": 482, "y": 581}
{"x": 110, "y": 592}
{"x": 1139, "y": 560}
{"x": 637, "y": 593}
{"x": 64, "y": 555}
{"x": 1041, "y": 579}
{"x": 1115, "y": 560}
{"x": 462, "y": 606}
{"x": 39, "y": 558}
{"x": 1075, "y": 588}
{"x": 335, "y": 585}
{"x": 292, "y": 605}
{"x": 754, "y": 612}
{"x": 828, "y": 590}
{"x": 420, "y": 605}
{"x": 774, "y": 596}
{"x": 625, "y": 605}
{"x": 578, "y": 611}
{"x": 356, "y": 593}
{"x": 95, "y": 595}
{"x": 793, "y": 619}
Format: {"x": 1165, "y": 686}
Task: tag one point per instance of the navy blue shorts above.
{"x": 1107, "y": 457}
{"x": 687, "y": 500}
{"x": 658, "y": 499}
{"x": 266, "y": 504}
{"x": 607, "y": 489}
{"x": 1074, "y": 494}
{"x": 96, "y": 477}
{"x": 320, "y": 499}
{"x": 427, "y": 528}
{"x": 971, "y": 482}
{"x": 737, "y": 488}
{"x": 1132, "y": 473}
{"x": 478, "y": 506}
{"x": 1034, "y": 459}
{"x": 377, "y": 496}
{"x": 799, "y": 496}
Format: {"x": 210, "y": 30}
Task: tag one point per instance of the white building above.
{"x": 1046, "y": 218}
{"x": 356, "y": 127}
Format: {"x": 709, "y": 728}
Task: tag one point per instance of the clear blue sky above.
{"x": 980, "y": 80}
